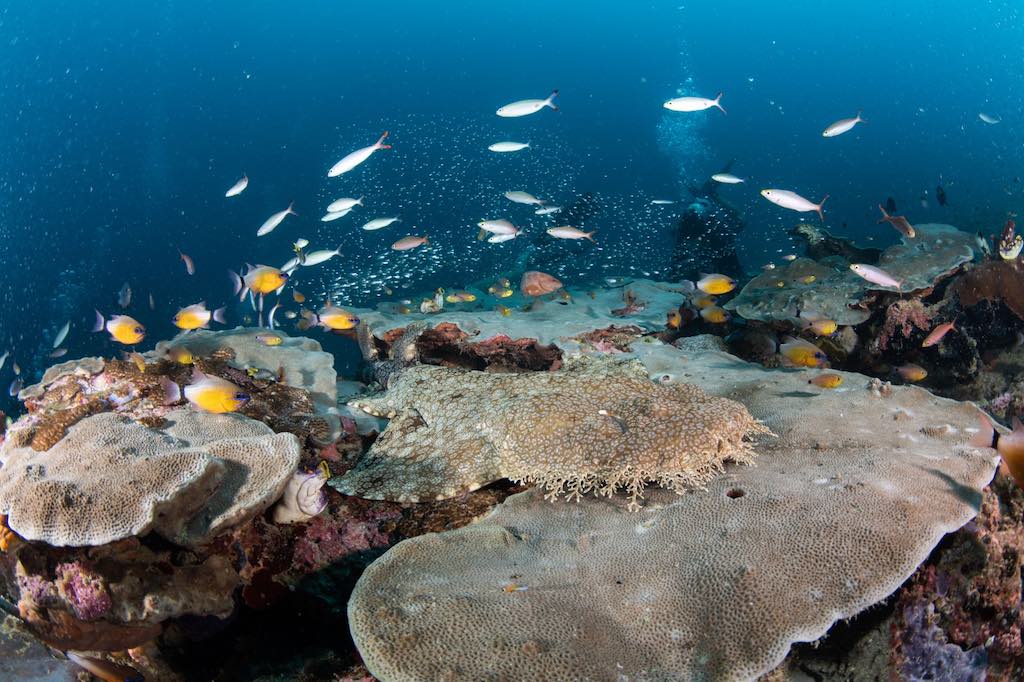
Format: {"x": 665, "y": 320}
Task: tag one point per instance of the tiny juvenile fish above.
{"x": 912, "y": 373}
{"x": 826, "y": 381}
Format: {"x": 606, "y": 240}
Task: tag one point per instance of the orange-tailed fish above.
{"x": 911, "y": 372}
{"x": 899, "y": 222}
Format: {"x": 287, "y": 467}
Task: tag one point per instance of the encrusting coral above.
{"x": 111, "y": 478}
{"x": 716, "y": 584}
{"x": 595, "y": 426}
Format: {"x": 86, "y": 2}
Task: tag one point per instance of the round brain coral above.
{"x": 595, "y": 426}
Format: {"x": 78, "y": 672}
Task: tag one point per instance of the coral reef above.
{"x": 828, "y": 287}
{"x": 111, "y": 478}
{"x": 826, "y": 524}
{"x": 995, "y": 281}
{"x": 595, "y": 426}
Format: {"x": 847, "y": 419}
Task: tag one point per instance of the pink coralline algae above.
{"x": 84, "y": 590}
{"x": 326, "y": 540}
{"x": 901, "y": 319}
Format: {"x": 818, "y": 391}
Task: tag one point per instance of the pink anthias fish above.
{"x": 937, "y": 334}
{"x": 876, "y": 275}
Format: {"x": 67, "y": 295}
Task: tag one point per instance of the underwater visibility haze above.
{"x": 563, "y": 194}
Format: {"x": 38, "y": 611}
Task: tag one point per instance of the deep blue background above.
{"x": 123, "y": 123}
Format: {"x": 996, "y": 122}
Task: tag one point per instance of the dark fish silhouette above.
{"x": 940, "y": 195}
{"x": 890, "y": 205}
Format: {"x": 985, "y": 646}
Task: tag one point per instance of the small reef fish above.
{"x": 331, "y": 216}
{"x": 190, "y": 267}
{"x": 821, "y": 327}
{"x": 271, "y": 223}
{"x": 727, "y": 178}
{"x": 238, "y": 187}
{"x": 936, "y": 334}
{"x": 911, "y": 372}
{"x": 662, "y": 202}
{"x": 410, "y": 242}
{"x": 504, "y": 147}
{"x": 714, "y": 314}
{"x": 1010, "y": 446}
{"x": 15, "y": 387}
{"x": 547, "y": 210}
{"x": 991, "y": 120}
{"x": 789, "y": 257}
{"x": 333, "y": 317}
{"x": 300, "y": 244}
{"x": 525, "y": 107}
{"x": 137, "y": 360}
{"x": 500, "y": 238}
{"x": 352, "y": 160}
{"x": 108, "y": 671}
{"x": 298, "y": 296}
{"x": 152, "y": 303}
{"x": 504, "y": 311}
{"x": 794, "y": 202}
{"x": 322, "y": 256}
{"x": 269, "y": 339}
{"x": 211, "y": 393}
{"x": 842, "y": 126}
{"x": 703, "y": 301}
{"x": 62, "y": 334}
{"x": 196, "y": 316}
{"x": 58, "y": 353}
{"x": 800, "y": 353}
{"x": 523, "y": 198}
{"x": 121, "y": 328}
{"x": 569, "y": 232}
{"x": 827, "y": 381}
{"x": 460, "y": 297}
{"x": 3, "y": 358}
{"x": 261, "y": 279}
{"x": 716, "y": 284}
{"x": 124, "y": 295}
{"x": 940, "y": 195}
{"x": 180, "y": 355}
{"x": 674, "y": 319}
{"x": 536, "y": 283}
{"x": 901, "y": 224}
{"x": 380, "y": 223}
{"x": 876, "y": 275}
{"x": 344, "y": 204}
{"x": 694, "y": 103}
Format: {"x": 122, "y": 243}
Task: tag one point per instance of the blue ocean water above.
{"x": 124, "y": 123}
